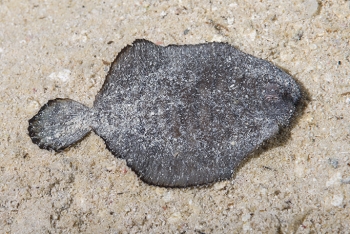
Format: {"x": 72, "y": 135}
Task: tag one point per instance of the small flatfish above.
{"x": 180, "y": 115}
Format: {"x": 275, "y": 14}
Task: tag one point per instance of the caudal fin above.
{"x": 59, "y": 124}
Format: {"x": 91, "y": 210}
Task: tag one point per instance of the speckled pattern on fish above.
{"x": 180, "y": 115}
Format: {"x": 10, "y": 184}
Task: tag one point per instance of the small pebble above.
{"x": 311, "y": 7}
{"x": 333, "y": 162}
{"x": 63, "y": 75}
{"x": 347, "y": 100}
{"x": 337, "y": 200}
{"x": 175, "y": 217}
{"x": 346, "y": 180}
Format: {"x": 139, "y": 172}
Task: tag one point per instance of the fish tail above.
{"x": 59, "y": 124}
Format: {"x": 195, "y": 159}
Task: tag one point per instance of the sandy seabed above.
{"x": 297, "y": 183}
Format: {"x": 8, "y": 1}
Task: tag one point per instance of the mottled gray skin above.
{"x": 179, "y": 115}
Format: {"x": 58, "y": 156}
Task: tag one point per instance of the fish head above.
{"x": 280, "y": 97}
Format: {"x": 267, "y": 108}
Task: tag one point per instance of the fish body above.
{"x": 180, "y": 115}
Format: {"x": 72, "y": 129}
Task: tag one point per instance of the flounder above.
{"x": 180, "y": 115}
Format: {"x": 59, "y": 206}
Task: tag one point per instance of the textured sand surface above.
{"x": 298, "y": 183}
